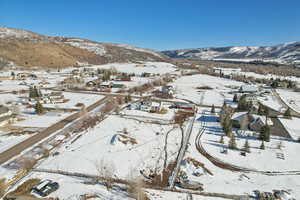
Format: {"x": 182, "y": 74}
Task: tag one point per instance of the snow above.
{"x": 271, "y": 101}
{"x": 45, "y": 120}
{"x": 291, "y": 98}
{"x": 228, "y": 182}
{"x": 74, "y": 98}
{"x": 95, "y": 146}
{"x": 186, "y": 88}
{"x": 139, "y": 49}
{"x": 149, "y": 67}
{"x": 292, "y": 126}
{"x": 8, "y": 140}
{"x": 97, "y": 48}
{"x": 72, "y": 188}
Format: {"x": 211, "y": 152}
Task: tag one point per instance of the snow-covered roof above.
{"x": 238, "y": 116}
{"x": 262, "y": 118}
{"x": 248, "y": 88}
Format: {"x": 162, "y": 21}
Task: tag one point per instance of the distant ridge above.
{"x": 287, "y": 53}
{"x": 29, "y": 49}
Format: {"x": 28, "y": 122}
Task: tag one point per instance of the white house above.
{"x": 5, "y": 115}
{"x": 248, "y": 89}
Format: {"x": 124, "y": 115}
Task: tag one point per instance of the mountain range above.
{"x": 28, "y": 49}
{"x": 287, "y": 53}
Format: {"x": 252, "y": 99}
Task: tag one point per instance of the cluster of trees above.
{"x": 39, "y": 109}
{"x": 34, "y": 92}
{"x": 225, "y": 119}
{"x": 263, "y": 110}
{"x": 243, "y": 104}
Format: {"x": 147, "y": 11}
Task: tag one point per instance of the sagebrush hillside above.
{"x": 28, "y": 49}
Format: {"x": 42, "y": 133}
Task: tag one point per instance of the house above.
{"x": 185, "y": 107}
{"x": 238, "y": 117}
{"x": 123, "y": 78}
{"x": 106, "y": 85}
{"x": 226, "y": 71}
{"x": 120, "y": 86}
{"x": 167, "y": 89}
{"x": 248, "y": 89}
{"x": 156, "y": 107}
{"x": 91, "y": 84}
{"x": 75, "y": 71}
{"x": 5, "y": 115}
{"x": 257, "y": 122}
{"x": 251, "y": 98}
{"x": 56, "y": 97}
{"x": 25, "y": 75}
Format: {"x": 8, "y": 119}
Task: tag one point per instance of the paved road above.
{"x": 20, "y": 147}
{"x": 182, "y": 152}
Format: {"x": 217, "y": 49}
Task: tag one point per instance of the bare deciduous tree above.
{"x": 2, "y": 187}
{"x": 105, "y": 173}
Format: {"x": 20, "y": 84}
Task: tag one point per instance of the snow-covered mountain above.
{"x": 28, "y": 49}
{"x": 283, "y": 53}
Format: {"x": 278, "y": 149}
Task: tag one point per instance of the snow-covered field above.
{"x": 186, "y": 88}
{"x": 291, "y": 98}
{"x": 45, "y": 120}
{"x": 148, "y": 67}
{"x": 261, "y": 76}
{"x": 100, "y": 144}
{"x": 74, "y": 98}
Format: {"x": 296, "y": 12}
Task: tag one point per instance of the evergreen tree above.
{"x": 243, "y": 105}
{"x": 222, "y": 140}
{"x": 235, "y": 98}
{"x": 262, "y": 146}
{"x": 247, "y": 147}
{"x": 261, "y": 109}
{"x": 275, "y": 84}
{"x": 232, "y": 142}
{"x": 213, "y": 109}
{"x": 224, "y": 107}
{"x": 227, "y": 127}
{"x": 287, "y": 113}
{"x": 265, "y": 133}
{"x": 31, "y": 93}
{"x": 39, "y": 109}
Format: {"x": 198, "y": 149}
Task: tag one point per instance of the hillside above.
{"x": 287, "y": 53}
{"x": 28, "y": 49}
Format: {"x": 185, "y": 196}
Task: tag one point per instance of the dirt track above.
{"x": 20, "y": 147}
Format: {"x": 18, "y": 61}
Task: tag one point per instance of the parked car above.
{"x": 45, "y": 187}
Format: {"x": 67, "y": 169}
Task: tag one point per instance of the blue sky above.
{"x": 160, "y": 24}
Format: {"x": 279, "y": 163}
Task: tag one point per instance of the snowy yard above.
{"x": 228, "y": 182}
{"x": 101, "y": 144}
{"x": 75, "y": 98}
